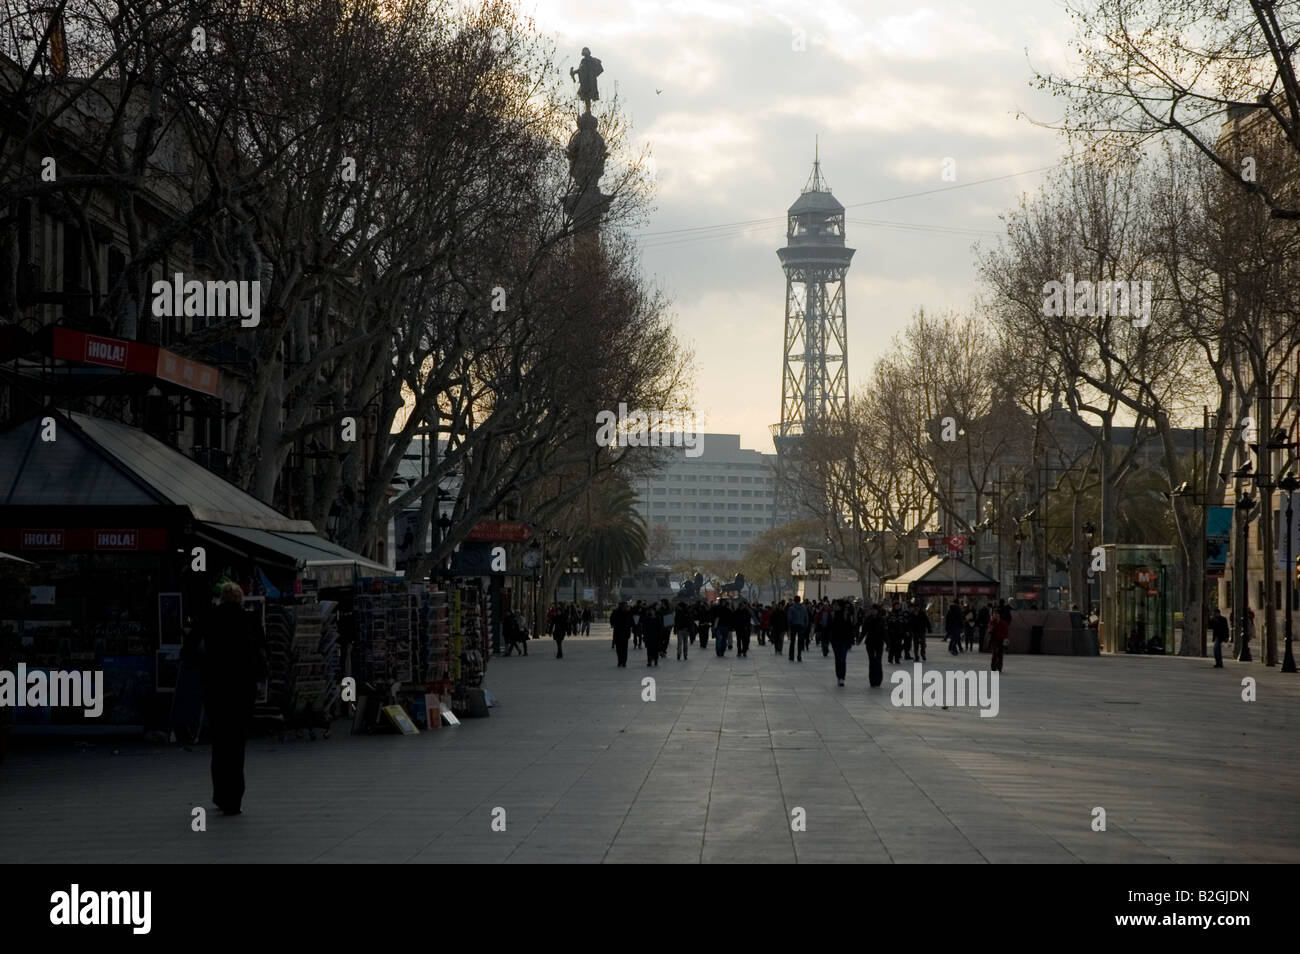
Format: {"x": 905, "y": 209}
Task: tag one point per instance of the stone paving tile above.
{"x": 712, "y": 770}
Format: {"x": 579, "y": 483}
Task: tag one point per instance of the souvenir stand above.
{"x": 471, "y": 628}
{"x": 303, "y": 662}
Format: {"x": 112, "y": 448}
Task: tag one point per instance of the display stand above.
{"x": 470, "y": 635}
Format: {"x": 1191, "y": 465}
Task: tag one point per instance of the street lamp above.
{"x": 1245, "y": 504}
{"x": 1289, "y": 484}
{"x": 1090, "y": 531}
{"x": 575, "y": 567}
{"x": 821, "y": 566}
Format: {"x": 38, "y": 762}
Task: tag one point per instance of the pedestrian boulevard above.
{"x": 727, "y": 760}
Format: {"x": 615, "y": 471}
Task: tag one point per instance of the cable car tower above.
{"x": 814, "y": 375}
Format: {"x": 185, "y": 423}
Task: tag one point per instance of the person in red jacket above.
{"x": 999, "y": 634}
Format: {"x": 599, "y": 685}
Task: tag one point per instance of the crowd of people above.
{"x": 835, "y": 626}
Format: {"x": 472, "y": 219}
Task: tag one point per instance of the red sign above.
{"x": 135, "y": 356}
{"x": 115, "y": 539}
{"x": 108, "y": 351}
{"x": 955, "y": 543}
{"x": 41, "y": 539}
{"x": 498, "y": 531}
{"x": 186, "y": 373}
{"x": 1145, "y": 576}
{"x": 83, "y": 539}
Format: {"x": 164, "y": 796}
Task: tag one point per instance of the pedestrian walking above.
{"x": 621, "y": 622}
{"x": 233, "y": 660}
{"x": 651, "y": 626}
{"x": 721, "y": 627}
{"x": 702, "y": 621}
{"x": 1219, "y": 629}
{"x": 666, "y": 619}
{"x": 999, "y": 635}
{"x": 516, "y": 634}
{"x": 953, "y": 625}
{"x": 796, "y": 615}
{"x": 840, "y": 633}
{"x": 778, "y": 626}
{"x": 586, "y": 621}
{"x": 874, "y": 638}
{"x": 982, "y": 624}
{"x": 897, "y": 628}
{"x": 684, "y": 626}
{"x": 920, "y": 629}
{"x": 560, "y": 629}
{"x": 740, "y": 623}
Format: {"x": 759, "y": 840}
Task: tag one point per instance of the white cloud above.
{"x": 730, "y": 112}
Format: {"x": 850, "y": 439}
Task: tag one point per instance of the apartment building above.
{"x": 715, "y": 504}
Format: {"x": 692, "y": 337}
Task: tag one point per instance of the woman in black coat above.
{"x": 233, "y": 662}
{"x": 840, "y": 631}
{"x": 560, "y": 629}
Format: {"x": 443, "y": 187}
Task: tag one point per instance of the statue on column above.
{"x": 586, "y": 153}
{"x": 586, "y": 73}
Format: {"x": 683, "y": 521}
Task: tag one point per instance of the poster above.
{"x": 397, "y": 715}
{"x": 170, "y": 632}
{"x": 1218, "y": 537}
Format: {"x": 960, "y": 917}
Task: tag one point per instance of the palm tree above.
{"x": 615, "y": 539}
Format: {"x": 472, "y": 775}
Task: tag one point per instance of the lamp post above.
{"x": 1245, "y": 503}
{"x": 575, "y": 567}
{"x": 821, "y": 566}
{"x": 1289, "y": 484}
{"x": 1090, "y": 531}
{"x": 533, "y": 562}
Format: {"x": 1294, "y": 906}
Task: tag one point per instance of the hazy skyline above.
{"x": 731, "y": 135}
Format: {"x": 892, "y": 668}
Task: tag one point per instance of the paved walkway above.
{"x": 713, "y": 769}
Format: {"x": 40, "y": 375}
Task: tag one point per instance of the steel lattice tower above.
{"x": 814, "y": 375}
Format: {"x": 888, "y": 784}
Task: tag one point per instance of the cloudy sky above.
{"x": 729, "y": 108}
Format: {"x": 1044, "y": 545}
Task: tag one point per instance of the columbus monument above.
{"x": 585, "y": 203}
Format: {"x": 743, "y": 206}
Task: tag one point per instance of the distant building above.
{"x": 714, "y": 505}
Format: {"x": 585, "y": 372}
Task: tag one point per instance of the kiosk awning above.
{"x": 317, "y": 557}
